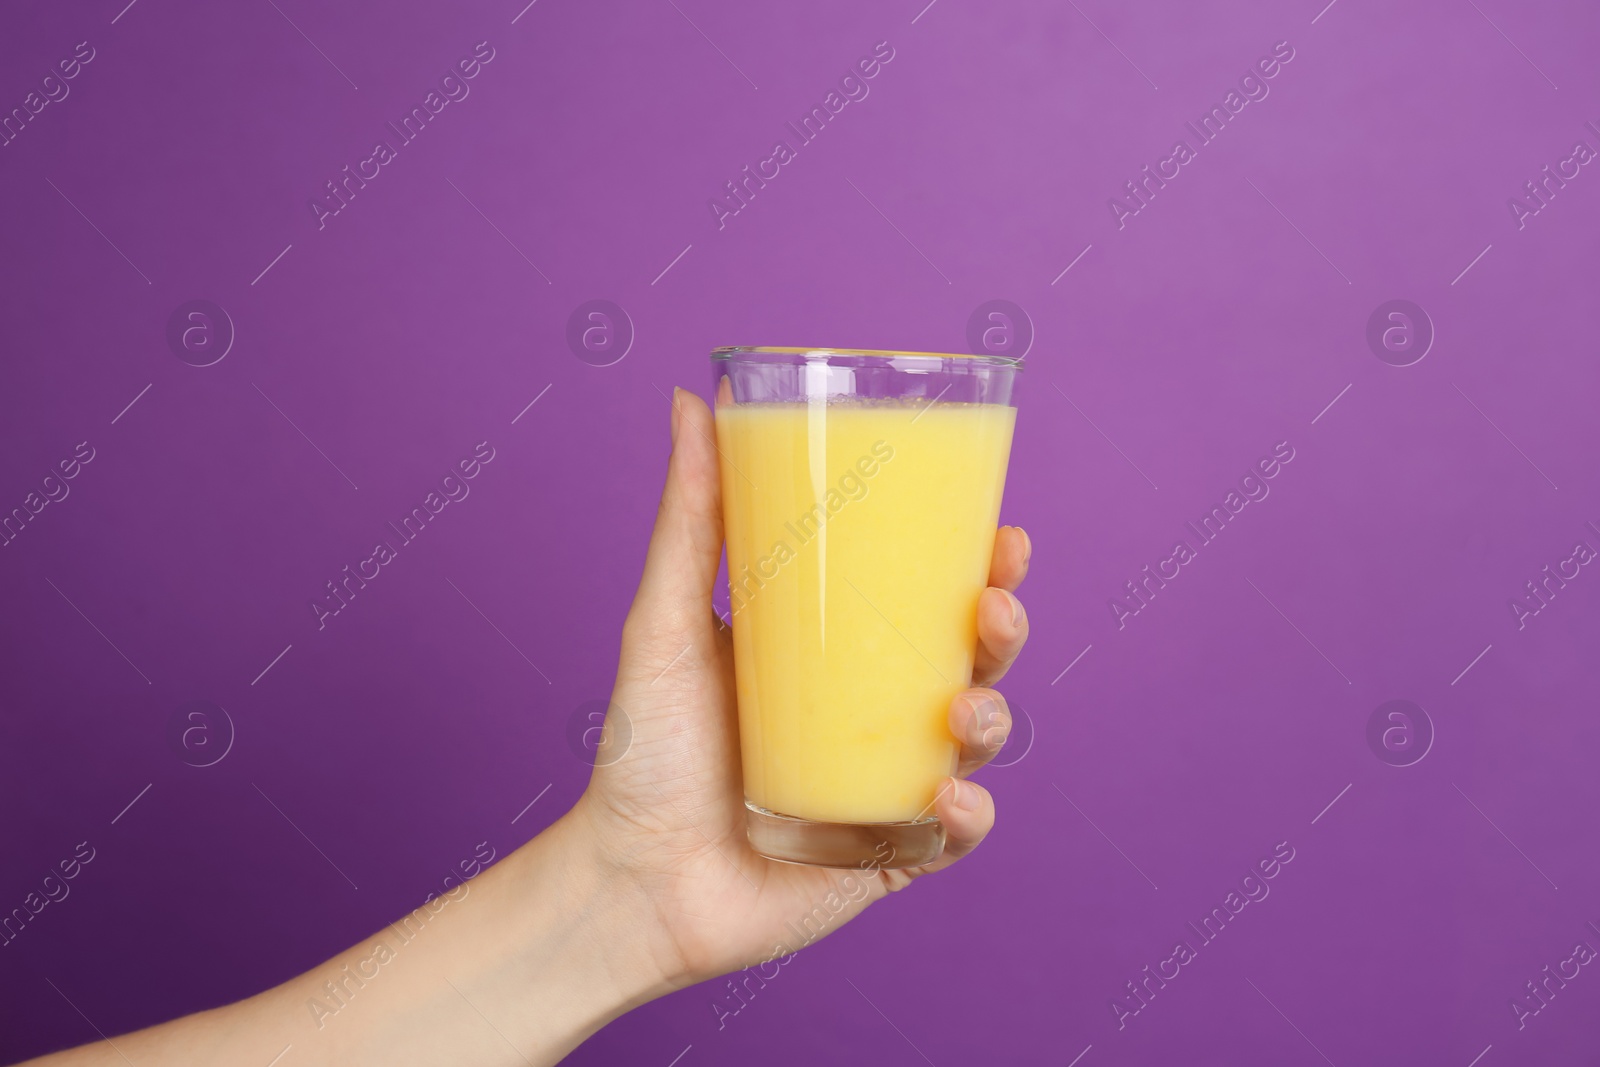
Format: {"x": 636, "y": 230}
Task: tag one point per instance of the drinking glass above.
{"x": 860, "y": 493}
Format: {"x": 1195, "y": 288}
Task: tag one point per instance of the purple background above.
{"x": 1222, "y": 719}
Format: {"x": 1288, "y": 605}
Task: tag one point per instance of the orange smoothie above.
{"x": 859, "y": 538}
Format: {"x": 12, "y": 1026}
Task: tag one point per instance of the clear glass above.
{"x": 861, "y": 492}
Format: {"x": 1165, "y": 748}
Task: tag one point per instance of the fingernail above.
{"x": 675, "y": 392}
{"x": 1027, "y": 545}
{"x": 1016, "y": 611}
{"x": 965, "y": 795}
{"x": 985, "y": 715}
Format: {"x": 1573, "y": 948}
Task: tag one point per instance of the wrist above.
{"x": 607, "y": 915}
{"x": 555, "y": 943}
{"x": 519, "y": 967}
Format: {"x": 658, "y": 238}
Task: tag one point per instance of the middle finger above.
{"x": 1002, "y": 631}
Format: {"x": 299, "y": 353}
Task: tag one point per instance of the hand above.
{"x": 668, "y": 818}
{"x": 646, "y": 885}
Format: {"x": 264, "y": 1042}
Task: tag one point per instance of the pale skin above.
{"x": 645, "y": 886}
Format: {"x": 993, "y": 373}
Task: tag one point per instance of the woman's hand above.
{"x": 667, "y": 819}
{"x": 646, "y": 885}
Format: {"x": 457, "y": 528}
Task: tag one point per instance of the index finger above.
{"x": 1009, "y": 565}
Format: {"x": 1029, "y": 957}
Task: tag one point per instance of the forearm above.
{"x": 516, "y": 967}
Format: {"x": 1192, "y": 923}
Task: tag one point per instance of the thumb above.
{"x": 680, "y": 570}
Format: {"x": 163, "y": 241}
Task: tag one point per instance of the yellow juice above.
{"x": 859, "y": 538}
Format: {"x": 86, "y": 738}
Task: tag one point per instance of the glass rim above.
{"x": 727, "y": 353}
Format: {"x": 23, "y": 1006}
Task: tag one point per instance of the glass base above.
{"x": 880, "y": 845}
